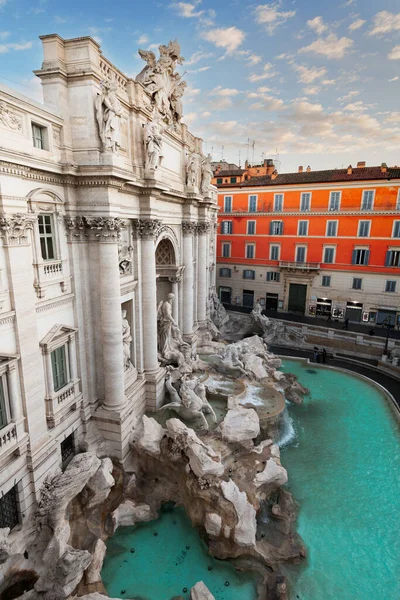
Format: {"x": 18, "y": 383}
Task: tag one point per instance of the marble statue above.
{"x": 277, "y": 332}
{"x": 163, "y": 84}
{"x": 108, "y": 115}
{"x": 125, "y": 259}
{"x": 153, "y": 131}
{"x": 192, "y": 170}
{"x": 206, "y": 174}
{"x": 171, "y": 346}
{"x": 126, "y": 340}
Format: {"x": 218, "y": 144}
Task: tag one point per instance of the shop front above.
{"x": 324, "y": 307}
{"x": 354, "y": 312}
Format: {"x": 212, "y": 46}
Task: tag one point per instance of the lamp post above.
{"x": 386, "y": 323}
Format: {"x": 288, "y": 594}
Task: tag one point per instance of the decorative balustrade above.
{"x": 8, "y": 437}
{"x": 60, "y": 403}
{"x": 65, "y": 394}
{"x": 52, "y": 269}
{"x": 303, "y": 266}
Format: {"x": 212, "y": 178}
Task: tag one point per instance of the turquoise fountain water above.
{"x": 344, "y": 470}
{"x": 168, "y": 558}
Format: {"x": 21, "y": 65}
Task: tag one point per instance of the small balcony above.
{"x": 49, "y": 273}
{"x": 62, "y": 402}
{"x": 299, "y": 266}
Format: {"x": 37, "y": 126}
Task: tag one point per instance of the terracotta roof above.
{"x": 332, "y": 175}
{"x": 230, "y": 173}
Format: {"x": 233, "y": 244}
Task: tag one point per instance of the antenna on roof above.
{"x": 239, "y": 160}
{"x": 277, "y": 161}
{"x": 253, "y": 146}
{"x": 222, "y": 154}
{"x": 248, "y": 147}
{"x": 212, "y": 151}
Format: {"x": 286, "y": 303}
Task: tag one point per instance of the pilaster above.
{"x": 188, "y": 229}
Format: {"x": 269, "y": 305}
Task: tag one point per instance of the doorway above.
{"x": 271, "y": 302}
{"x": 297, "y": 298}
{"x": 225, "y": 295}
{"x": 354, "y": 312}
{"x": 248, "y": 298}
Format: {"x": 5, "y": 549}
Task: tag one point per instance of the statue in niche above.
{"x": 206, "y": 174}
{"x": 125, "y": 259}
{"x": 162, "y": 83}
{"x": 192, "y": 169}
{"x": 108, "y": 115}
{"x": 172, "y": 349}
{"x": 153, "y": 131}
{"x": 126, "y": 341}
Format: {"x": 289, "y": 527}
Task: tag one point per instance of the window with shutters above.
{"x": 305, "y": 201}
{"x": 228, "y": 204}
{"x": 233, "y": 179}
{"x": 302, "y": 228}
{"x": 251, "y": 227}
{"x": 273, "y": 276}
{"x": 219, "y": 180}
{"x": 357, "y": 283}
{"x": 39, "y": 136}
{"x": 331, "y": 228}
{"x": 278, "y": 202}
{"x": 276, "y": 228}
{"x": 226, "y": 227}
{"x": 300, "y": 254}
{"x": 252, "y": 203}
{"x": 274, "y": 252}
{"x": 329, "y": 255}
{"x": 364, "y": 228}
{"x": 367, "y": 202}
{"x": 46, "y": 237}
{"x": 224, "y": 272}
{"x": 392, "y": 258}
{"x": 360, "y": 256}
{"x": 226, "y": 250}
{"x": 334, "y": 201}
{"x": 326, "y": 281}
{"x": 249, "y": 274}
{"x": 250, "y": 250}
{"x": 396, "y": 229}
{"x": 390, "y": 286}
{"x": 59, "y": 368}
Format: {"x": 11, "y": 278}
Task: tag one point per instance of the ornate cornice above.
{"x": 76, "y": 228}
{"x": 14, "y": 229}
{"x": 203, "y": 227}
{"x": 147, "y": 227}
{"x": 49, "y": 304}
{"x": 102, "y": 229}
{"x": 189, "y": 227}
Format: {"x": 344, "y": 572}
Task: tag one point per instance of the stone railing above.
{"x": 304, "y": 266}
{"x": 108, "y": 71}
{"x": 62, "y": 402}
{"x": 52, "y": 269}
{"x": 49, "y": 273}
{"x": 8, "y": 437}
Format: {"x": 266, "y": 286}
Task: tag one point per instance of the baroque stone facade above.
{"x": 94, "y": 233}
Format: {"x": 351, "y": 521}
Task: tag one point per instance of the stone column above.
{"x": 72, "y": 358}
{"x": 147, "y": 229}
{"x": 188, "y": 228}
{"x": 13, "y": 392}
{"x": 175, "y": 291}
{"x": 107, "y": 232}
{"x": 203, "y": 228}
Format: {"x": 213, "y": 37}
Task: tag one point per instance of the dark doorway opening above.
{"x": 271, "y": 302}
{"x": 248, "y": 298}
{"x": 297, "y": 298}
{"x": 225, "y": 295}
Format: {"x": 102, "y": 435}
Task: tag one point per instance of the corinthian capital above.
{"x": 76, "y": 228}
{"x": 203, "y": 227}
{"x": 147, "y": 227}
{"x": 14, "y": 228}
{"x": 105, "y": 229}
{"x": 189, "y": 227}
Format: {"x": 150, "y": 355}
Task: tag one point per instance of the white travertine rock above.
{"x": 101, "y": 483}
{"x": 151, "y": 436}
{"x": 203, "y": 459}
{"x": 254, "y": 366}
{"x": 96, "y": 596}
{"x": 93, "y": 574}
{"x": 246, "y": 526}
{"x": 5, "y": 547}
{"x": 200, "y": 592}
{"x": 61, "y": 579}
{"x": 226, "y": 531}
{"x": 213, "y": 523}
{"x": 273, "y": 473}
{"x": 240, "y": 425}
{"x": 129, "y": 513}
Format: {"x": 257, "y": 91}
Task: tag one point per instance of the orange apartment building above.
{"x": 312, "y": 242}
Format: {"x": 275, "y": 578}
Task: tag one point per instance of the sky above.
{"x": 305, "y": 82}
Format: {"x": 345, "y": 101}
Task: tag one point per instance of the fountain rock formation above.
{"x": 276, "y": 332}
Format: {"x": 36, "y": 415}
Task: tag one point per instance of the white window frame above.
{"x": 283, "y": 201}
{"x": 45, "y": 136}
{"x": 249, "y": 271}
{"x": 255, "y": 227}
{"x": 297, "y": 246}
{"x": 248, "y": 203}
{"x": 330, "y": 281}
{"x": 225, "y": 199}
{"x": 273, "y": 280}
{"x": 327, "y": 227}
{"x": 298, "y": 228}
{"x": 329, "y": 247}
{"x": 359, "y": 227}
{"x": 301, "y": 202}
{"x": 362, "y": 200}
{"x": 247, "y": 245}
{"x": 222, "y": 227}
{"x": 270, "y": 251}
{"x": 222, "y": 249}
{"x": 393, "y": 228}
{"x": 330, "y": 197}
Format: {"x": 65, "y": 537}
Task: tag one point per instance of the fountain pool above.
{"x": 344, "y": 470}
{"x": 168, "y": 559}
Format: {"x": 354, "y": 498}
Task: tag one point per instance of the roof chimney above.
{"x": 274, "y": 174}
{"x": 270, "y": 167}
{"x": 308, "y": 169}
{"x": 384, "y": 168}
{"x": 349, "y": 170}
{"x": 361, "y": 164}
{"x": 300, "y": 169}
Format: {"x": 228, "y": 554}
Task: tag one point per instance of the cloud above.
{"x": 394, "y": 54}
{"x": 349, "y": 96}
{"x": 3, "y": 3}
{"x": 384, "y": 22}
{"x": 394, "y": 79}
{"x": 4, "y": 35}
{"x": 309, "y": 74}
{"x": 356, "y": 25}
{"x": 229, "y": 38}
{"x": 312, "y": 91}
{"x": 186, "y": 9}
{"x": 197, "y": 57}
{"x": 268, "y": 73}
{"x": 254, "y": 59}
{"x": 190, "y": 117}
{"x": 60, "y": 20}
{"x": 202, "y": 69}
{"x": 317, "y": 25}
{"x": 5, "y": 48}
{"x": 143, "y": 39}
{"x": 205, "y": 114}
{"x": 328, "y": 81}
{"x": 331, "y": 46}
{"x": 220, "y": 91}
{"x": 270, "y": 16}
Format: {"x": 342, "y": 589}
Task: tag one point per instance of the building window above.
{"x": 219, "y": 180}
{"x": 357, "y": 283}
{"x": 305, "y": 201}
{"x": 273, "y": 276}
{"x": 326, "y": 281}
{"x": 329, "y": 256}
{"x": 390, "y": 286}
{"x": 249, "y": 274}
{"x": 67, "y": 450}
{"x": 252, "y": 203}
{"x": 251, "y": 227}
{"x": 363, "y": 228}
{"x": 226, "y": 250}
{"x": 278, "y": 202}
{"x": 226, "y": 227}
{"x": 59, "y": 368}
{"x": 233, "y": 179}
{"x": 360, "y": 256}
{"x": 250, "y": 250}
{"x": 39, "y": 135}
{"x": 367, "y": 202}
{"x": 302, "y": 228}
{"x": 334, "y": 201}
{"x": 276, "y": 228}
{"x": 398, "y": 200}
{"x": 300, "y": 254}
{"x": 228, "y": 204}
{"x": 396, "y": 229}
{"x": 392, "y": 258}
{"x": 225, "y": 272}
{"x": 9, "y": 516}
{"x": 3, "y": 411}
{"x": 46, "y": 236}
{"x": 331, "y": 228}
{"x": 274, "y": 252}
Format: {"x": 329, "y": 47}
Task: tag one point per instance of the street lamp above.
{"x": 387, "y": 324}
